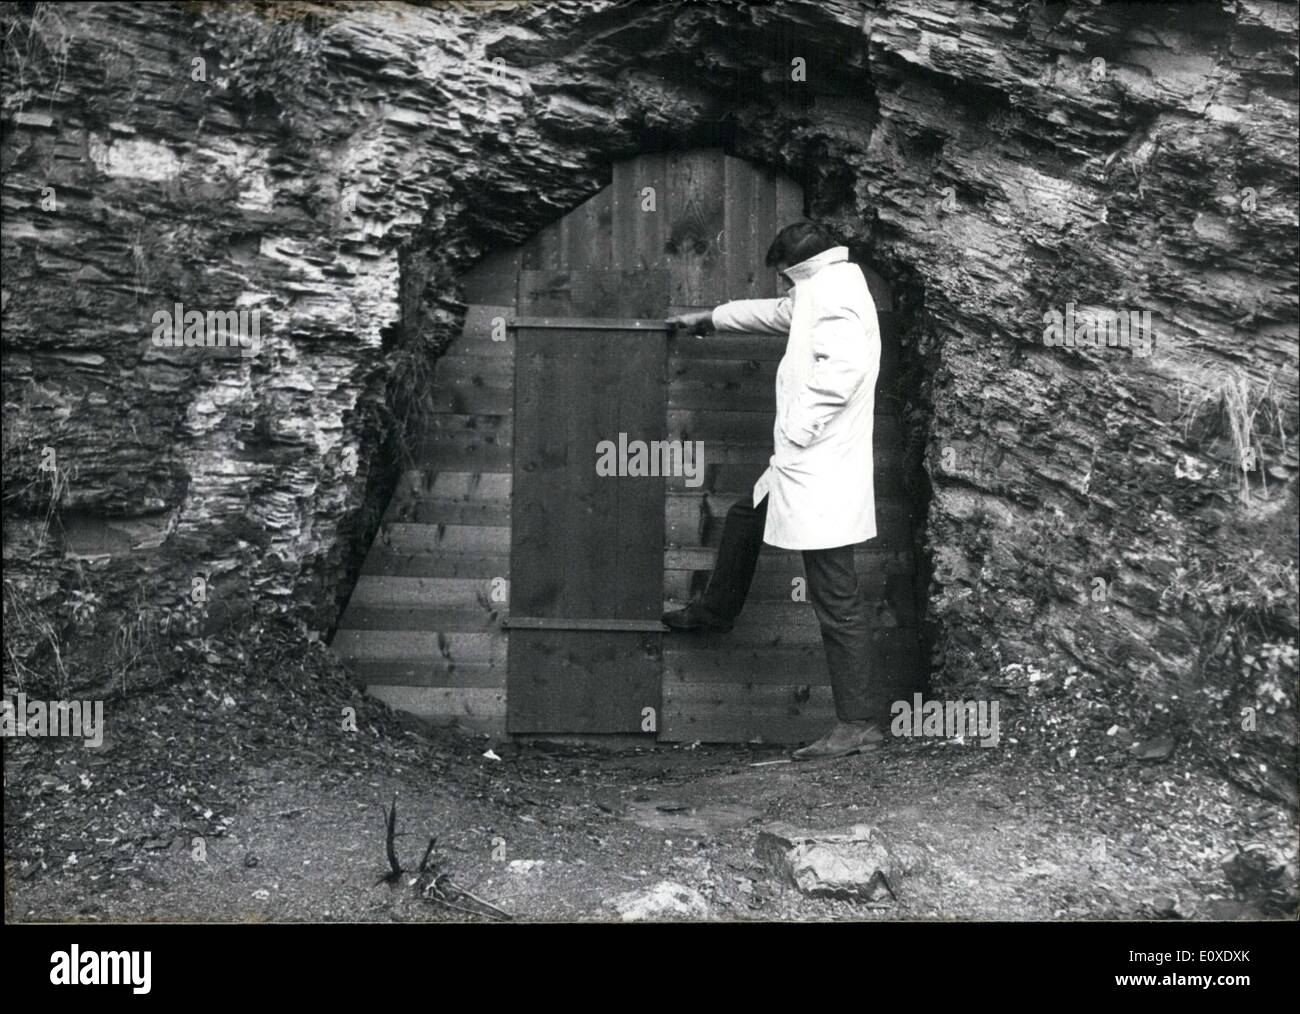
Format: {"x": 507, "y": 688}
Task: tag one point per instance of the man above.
{"x": 817, "y": 493}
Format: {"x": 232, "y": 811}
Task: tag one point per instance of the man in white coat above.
{"x": 817, "y": 494}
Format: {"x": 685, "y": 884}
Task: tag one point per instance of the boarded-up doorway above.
{"x": 510, "y": 588}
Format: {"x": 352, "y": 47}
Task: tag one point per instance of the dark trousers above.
{"x": 832, "y": 588}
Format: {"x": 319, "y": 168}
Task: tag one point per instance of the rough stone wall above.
{"x": 336, "y": 167}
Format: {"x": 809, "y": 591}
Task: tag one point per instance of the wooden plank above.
{"x": 638, "y": 232}
{"x": 650, "y": 232}
{"x": 400, "y": 537}
{"x": 732, "y": 693}
{"x": 743, "y": 249}
{"x": 433, "y": 510}
{"x": 381, "y": 561}
{"x": 465, "y": 443}
{"x": 580, "y": 681}
{"x": 417, "y": 618}
{"x": 594, "y": 293}
{"x": 594, "y": 240}
{"x": 638, "y": 532}
{"x": 694, "y": 216}
{"x": 553, "y": 623}
{"x": 789, "y": 203}
{"x": 478, "y": 708}
{"x": 720, "y": 426}
{"x": 459, "y": 398}
{"x": 685, "y": 517}
{"x": 412, "y": 673}
{"x": 484, "y": 371}
{"x": 421, "y": 645}
{"x": 766, "y": 226}
{"x": 484, "y": 333}
{"x": 737, "y": 713}
{"x": 476, "y": 486}
{"x": 586, "y": 234}
{"x": 440, "y": 592}
{"x": 687, "y": 662}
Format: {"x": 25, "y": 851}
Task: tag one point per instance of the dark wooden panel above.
{"x": 586, "y": 545}
{"x": 582, "y": 681}
{"x": 593, "y": 293}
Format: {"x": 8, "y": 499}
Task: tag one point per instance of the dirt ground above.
{"x": 242, "y": 798}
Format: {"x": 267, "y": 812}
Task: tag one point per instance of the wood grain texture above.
{"x": 582, "y": 681}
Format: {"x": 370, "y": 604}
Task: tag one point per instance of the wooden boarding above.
{"x": 472, "y": 708}
{"x": 503, "y": 494}
{"x": 690, "y": 658}
{"x": 422, "y": 645}
{"x": 585, "y": 546}
{"x": 730, "y": 713}
{"x": 395, "y": 563}
{"x": 593, "y": 293}
{"x": 582, "y": 681}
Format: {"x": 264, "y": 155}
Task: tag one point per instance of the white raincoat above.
{"x": 820, "y": 478}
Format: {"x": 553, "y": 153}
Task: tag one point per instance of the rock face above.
{"x": 335, "y": 169}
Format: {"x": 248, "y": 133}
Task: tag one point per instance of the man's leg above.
{"x": 733, "y": 571}
{"x": 841, "y": 612}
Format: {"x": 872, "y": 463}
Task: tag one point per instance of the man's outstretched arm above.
{"x": 746, "y": 316}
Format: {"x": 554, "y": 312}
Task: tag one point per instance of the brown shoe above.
{"x": 845, "y": 739}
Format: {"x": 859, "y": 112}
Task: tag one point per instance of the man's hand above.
{"x": 698, "y": 324}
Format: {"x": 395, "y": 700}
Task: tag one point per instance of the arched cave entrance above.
{"x": 509, "y": 592}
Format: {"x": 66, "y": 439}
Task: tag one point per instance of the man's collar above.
{"x": 806, "y": 269}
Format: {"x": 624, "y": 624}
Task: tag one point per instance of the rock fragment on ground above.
{"x": 853, "y": 863}
{"x": 666, "y": 900}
